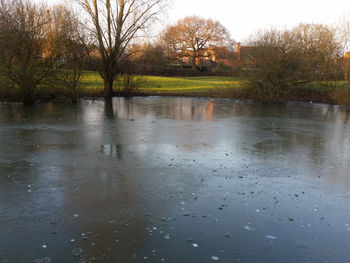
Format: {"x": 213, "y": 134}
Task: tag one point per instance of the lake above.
{"x": 171, "y": 179}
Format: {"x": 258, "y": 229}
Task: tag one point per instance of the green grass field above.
{"x": 223, "y": 87}
{"x": 220, "y": 87}
{"x": 91, "y": 81}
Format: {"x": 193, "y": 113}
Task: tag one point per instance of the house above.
{"x": 346, "y": 65}
{"x": 212, "y": 56}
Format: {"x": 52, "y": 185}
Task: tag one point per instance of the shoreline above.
{"x": 320, "y": 97}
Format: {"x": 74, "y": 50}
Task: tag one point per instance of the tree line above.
{"x": 44, "y": 49}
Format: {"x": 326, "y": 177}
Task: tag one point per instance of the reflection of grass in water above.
{"x": 91, "y": 81}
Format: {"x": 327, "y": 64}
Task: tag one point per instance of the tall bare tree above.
{"x": 190, "y": 36}
{"x": 114, "y": 25}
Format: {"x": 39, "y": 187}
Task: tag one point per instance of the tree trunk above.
{"x": 194, "y": 62}
{"x": 27, "y": 94}
{"x": 109, "y": 113}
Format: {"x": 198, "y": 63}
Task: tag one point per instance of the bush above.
{"x": 276, "y": 62}
{"x": 128, "y": 84}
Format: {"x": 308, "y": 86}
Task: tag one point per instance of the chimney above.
{"x": 239, "y": 50}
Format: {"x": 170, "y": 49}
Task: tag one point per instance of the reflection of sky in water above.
{"x": 218, "y": 161}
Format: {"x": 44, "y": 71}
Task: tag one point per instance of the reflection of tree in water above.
{"x": 48, "y": 113}
{"x": 109, "y": 111}
{"x": 185, "y": 109}
{"x": 295, "y": 124}
{"x": 106, "y": 198}
{"x": 112, "y": 150}
{"x": 104, "y": 194}
{"x": 336, "y": 114}
{"x": 110, "y": 186}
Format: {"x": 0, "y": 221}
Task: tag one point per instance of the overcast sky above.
{"x": 244, "y": 17}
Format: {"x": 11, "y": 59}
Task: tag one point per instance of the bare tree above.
{"x": 33, "y": 44}
{"x": 278, "y": 61}
{"x": 148, "y": 53}
{"x": 270, "y": 64}
{"x": 319, "y": 51}
{"x": 67, "y": 38}
{"x": 114, "y": 25}
{"x": 341, "y": 95}
{"x": 343, "y": 34}
{"x": 22, "y": 45}
{"x": 193, "y": 35}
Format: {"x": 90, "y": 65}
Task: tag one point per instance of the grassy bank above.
{"x": 223, "y": 87}
{"x": 154, "y": 85}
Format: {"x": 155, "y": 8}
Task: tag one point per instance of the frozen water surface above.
{"x": 142, "y": 177}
